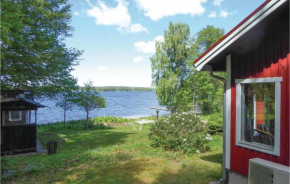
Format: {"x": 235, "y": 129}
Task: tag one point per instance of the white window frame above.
{"x": 19, "y": 113}
{"x": 251, "y": 145}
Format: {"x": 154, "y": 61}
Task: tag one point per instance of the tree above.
{"x": 33, "y": 53}
{"x": 170, "y": 66}
{"x": 65, "y": 101}
{"x": 65, "y": 98}
{"x": 206, "y": 37}
{"x": 208, "y": 90}
{"x": 88, "y": 99}
{"x": 173, "y": 73}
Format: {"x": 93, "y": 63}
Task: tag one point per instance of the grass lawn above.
{"x": 119, "y": 155}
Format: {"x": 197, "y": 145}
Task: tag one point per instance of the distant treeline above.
{"x": 122, "y": 88}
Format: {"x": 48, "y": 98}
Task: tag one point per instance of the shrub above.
{"x": 214, "y": 127}
{"x": 109, "y": 119}
{"x": 180, "y": 132}
{"x": 217, "y": 117}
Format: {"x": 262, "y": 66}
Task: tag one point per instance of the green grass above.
{"x": 116, "y": 155}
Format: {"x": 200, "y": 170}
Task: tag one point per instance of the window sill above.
{"x": 259, "y": 147}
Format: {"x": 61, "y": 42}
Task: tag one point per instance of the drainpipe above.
{"x": 224, "y": 177}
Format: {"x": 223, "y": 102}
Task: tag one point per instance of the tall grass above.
{"x": 109, "y": 119}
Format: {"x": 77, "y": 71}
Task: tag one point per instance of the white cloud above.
{"x": 217, "y": 2}
{"x": 102, "y": 68}
{"x": 225, "y": 14}
{"x": 138, "y": 59}
{"x": 111, "y": 16}
{"x": 76, "y": 13}
{"x": 114, "y": 16}
{"x": 156, "y": 10}
{"x": 148, "y": 47}
{"x": 212, "y": 14}
{"x": 136, "y": 28}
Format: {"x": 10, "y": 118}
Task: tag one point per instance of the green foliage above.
{"x": 177, "y": 82}
{"x": 214, "y": 127}
{"x": 180, "y": 132}
{"x": 218, "y": 117}
{"x": 65, "y": 101}
{"x": 170, "y": 65}
{"x": 209, "y": 91}
{"x": 33, "y": 52}
{"x": 87, "y": 99}
{"x": 47, "y": 129}
{"x": 109, "y": 119}
{"x": 215, "y": 123}
{"x": 207, "y": 37}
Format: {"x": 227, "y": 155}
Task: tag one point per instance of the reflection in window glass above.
{"x": 258, "y": 113}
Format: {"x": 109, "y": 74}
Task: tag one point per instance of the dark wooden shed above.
{"x": 18, "y": 121}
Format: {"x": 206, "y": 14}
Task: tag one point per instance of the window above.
{"x": 18, "y": 117}
{"x": 258, "y": 114}
{"x": 15, "y": 116}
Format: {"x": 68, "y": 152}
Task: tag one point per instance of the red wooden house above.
{"x": 256, "y": 57}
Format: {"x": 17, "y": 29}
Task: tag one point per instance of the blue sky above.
{"x": 117, "y": 36}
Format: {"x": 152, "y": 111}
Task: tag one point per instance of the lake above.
{"x": 118, "y": 104}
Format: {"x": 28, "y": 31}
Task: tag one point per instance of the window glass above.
{"x": 258, "y": 113}
{"x": 15, "y": 115}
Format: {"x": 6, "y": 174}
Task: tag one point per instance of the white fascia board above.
{"x": 258, "y": 17}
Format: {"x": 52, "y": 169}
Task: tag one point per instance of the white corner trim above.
{"x": 228, "y": 111}
{"x": 258, "y": 17}
{"x": 239, "y": 95}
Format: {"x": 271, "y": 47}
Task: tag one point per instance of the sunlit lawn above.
{"x": 119, "y": 155}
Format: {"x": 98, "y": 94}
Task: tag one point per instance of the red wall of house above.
{"x": 268, "y": 58}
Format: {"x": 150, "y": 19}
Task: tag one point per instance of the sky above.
{"x": 118, "y": 36}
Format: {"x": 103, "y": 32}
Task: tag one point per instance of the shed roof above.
{"x": 19, "y": 104}
{"x": 221, "y": 48}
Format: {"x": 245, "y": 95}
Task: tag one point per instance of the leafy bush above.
{"x": 217, "y": 117}
{"x": 180, "y": 132}
{"x": 109, "y": 119}
{"x": 215, "y": 123}
{"x": 71, "y": 125}
{"x": 214, "y": 127}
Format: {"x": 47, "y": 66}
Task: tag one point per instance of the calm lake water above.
{"x": 119, "y": 104}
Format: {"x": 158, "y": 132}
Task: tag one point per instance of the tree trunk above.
{"x": 64, "y": 116}
{"x": 87, "y": 119}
